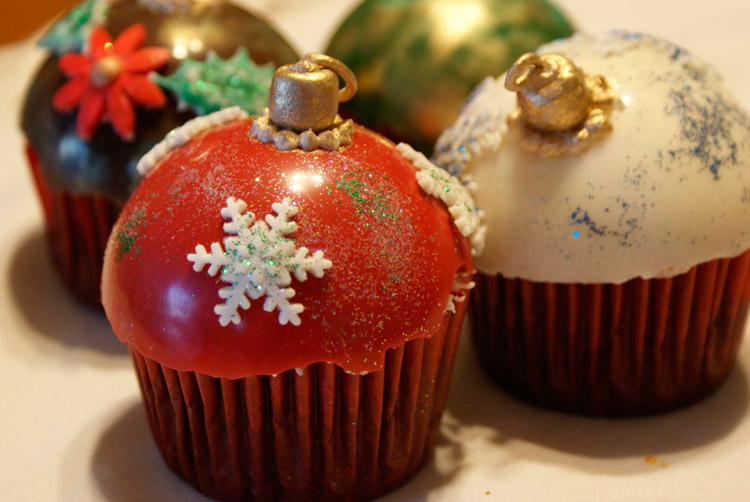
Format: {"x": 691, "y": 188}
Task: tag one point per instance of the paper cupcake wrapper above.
{"x": 320, "y": 435}
{"x": 640, "y": 347}
{"x": 78, "y": 227}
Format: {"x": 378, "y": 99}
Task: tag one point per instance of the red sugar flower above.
{"x": 106, "y": 82}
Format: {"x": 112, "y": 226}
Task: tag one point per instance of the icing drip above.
{"x": 462, "y": 284}
{"x": 180, "y": 136}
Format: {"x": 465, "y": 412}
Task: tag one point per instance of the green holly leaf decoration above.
{"x": 210, "y": 85}
{"x": 71, "y": 32}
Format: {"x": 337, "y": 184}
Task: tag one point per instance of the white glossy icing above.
{"x": 181, "y": 135}
{"x": 669, "y": 188}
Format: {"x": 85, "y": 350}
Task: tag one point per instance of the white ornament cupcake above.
{"x": 616, "y": 191}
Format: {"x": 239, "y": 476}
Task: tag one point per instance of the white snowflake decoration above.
{"x": 257, "y": 260}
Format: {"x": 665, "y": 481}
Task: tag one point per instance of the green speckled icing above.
{"x": 71, "y": 31}
{"x": 210, "y": 85}
{"x": 417, "y": 60}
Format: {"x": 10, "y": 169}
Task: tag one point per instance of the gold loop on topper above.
{"x": 350, "y": 81}
{"x": 522, "y": 70}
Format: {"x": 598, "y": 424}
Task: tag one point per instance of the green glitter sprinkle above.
{"x": 129, "y": 232}
{"x": 174, "y": 191}
{"x": 210, "y": 85}
{"x": 366, "y": 197}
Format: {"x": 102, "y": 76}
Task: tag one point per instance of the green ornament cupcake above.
{"x": 417, "y": 60}
{"x": 120, "y": 75}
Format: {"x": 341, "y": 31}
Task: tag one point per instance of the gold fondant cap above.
{"x": 305, "y": 95}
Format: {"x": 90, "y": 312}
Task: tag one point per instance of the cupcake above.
{"x": 418, "y": 59}
{"x": 291, "y": 287}
{"x": 615, "y": 182}
{"x": 95, "y": 107}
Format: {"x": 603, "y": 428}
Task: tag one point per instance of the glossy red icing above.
{"x": 394, "y": 249}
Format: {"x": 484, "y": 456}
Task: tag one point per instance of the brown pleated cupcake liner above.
{"x": 640, "y": 347}
{"x": 322, "y": 435}
{"x": 77, "y": 228}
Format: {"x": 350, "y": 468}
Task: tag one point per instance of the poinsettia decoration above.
{"x": 109, "y": 80}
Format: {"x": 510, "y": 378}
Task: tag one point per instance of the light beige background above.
{"x": 71, "y": 426}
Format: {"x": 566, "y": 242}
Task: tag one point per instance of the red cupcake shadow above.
{"x": 127, "y": 466}
{"x": 48, "y": 310}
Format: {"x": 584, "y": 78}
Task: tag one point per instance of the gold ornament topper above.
{"x": 561, "y": 109}
{"x": 304, "y": 103}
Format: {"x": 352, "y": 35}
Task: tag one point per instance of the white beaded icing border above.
{"x": 440, "y": 184}
{"x": 181, "y": 135}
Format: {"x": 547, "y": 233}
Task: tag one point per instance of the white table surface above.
{"x": 71, "y": 424}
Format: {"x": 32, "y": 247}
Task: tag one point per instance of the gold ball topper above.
{"x": 561, "y": 109}
{"x": 306, "y": 95}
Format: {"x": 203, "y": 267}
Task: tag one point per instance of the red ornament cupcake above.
{"x": 615, "y": 279}
{"x": 97, "y": 105}
{"x": 291, "y": 287}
